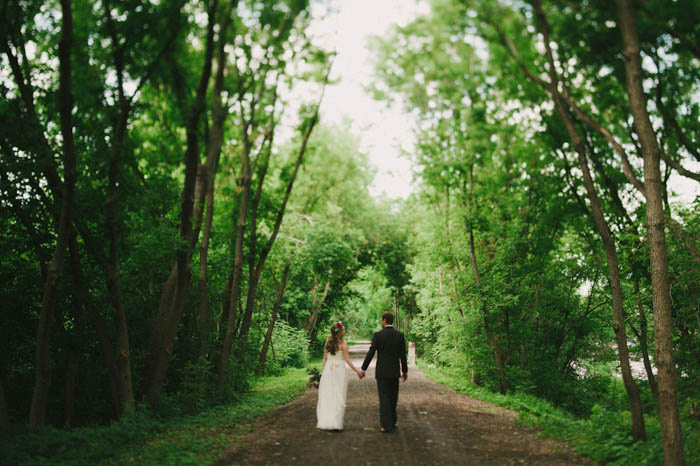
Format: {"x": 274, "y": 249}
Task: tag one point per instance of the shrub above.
{"x": 290, "y": 346}
{"x": 197, "y": 384}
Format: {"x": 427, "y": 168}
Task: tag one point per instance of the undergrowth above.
{"x": 604, "y": 436}
{"x": 144, "y": 438}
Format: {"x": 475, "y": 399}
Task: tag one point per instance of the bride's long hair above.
{"x": 333, "y": 341}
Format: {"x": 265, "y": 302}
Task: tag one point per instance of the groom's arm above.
{"x": 370, "y": 353}
{"x": 402, "y": 356}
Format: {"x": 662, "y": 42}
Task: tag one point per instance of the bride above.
{"x": 333, "y": 387}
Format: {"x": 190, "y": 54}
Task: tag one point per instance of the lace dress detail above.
{"x": 332, "y": 393}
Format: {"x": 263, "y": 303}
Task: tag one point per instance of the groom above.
{"x": 391, "y": 347}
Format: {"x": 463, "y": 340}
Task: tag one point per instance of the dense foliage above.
{"x": 174, "y": 220}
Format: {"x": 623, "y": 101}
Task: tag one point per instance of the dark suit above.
{"x": 390, "y": 346}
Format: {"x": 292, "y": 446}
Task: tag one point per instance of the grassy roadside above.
{"x": 604, "y": 436}
{"x": 144, "y": 440}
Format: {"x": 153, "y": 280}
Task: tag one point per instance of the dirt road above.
{"x": 436, "y": 426}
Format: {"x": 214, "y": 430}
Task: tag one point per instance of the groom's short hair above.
{"x": 388, "y": 317}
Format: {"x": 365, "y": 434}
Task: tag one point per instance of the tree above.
{"x": 258, "y": 89}
{"x": 668, "y": 398}
{"x": 176, "y": 287}
{"x": 37, "y": 414}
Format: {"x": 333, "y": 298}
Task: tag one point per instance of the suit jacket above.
{"x": 390, "y": 346}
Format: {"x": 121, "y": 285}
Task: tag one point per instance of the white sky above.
{"x": 684, "y": 190}
{"x": 383, "y": 132}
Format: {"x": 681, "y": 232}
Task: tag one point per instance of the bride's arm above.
{"x": 346, "y": 356}
{"x": 325, "y": 358}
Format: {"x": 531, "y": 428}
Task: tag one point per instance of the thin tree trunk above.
{"x": 311, "y": 324}
{"x": 208, "y": 177}
{"x": 273, "y": 318}
{"x": 170, "y": 311}
{"x": 638, "y": 429}
{"x": 203, "y": 321}
{"x": 237, "y": 266}
{"x": 232, "y": 320}
{"x": 111, "y": 269}
{"x": 123, "y": 359}
{"x": 123, "y": 362}
{"x": 37, "y": 413}
{"x": 255, "y": 272}
{"x": 644, "y": 342}
{"x": 224, "y": 308}
{"x": 658, "y": 255}
{"x": 253, "y": 281}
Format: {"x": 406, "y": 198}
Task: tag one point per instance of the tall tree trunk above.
{"x": 111, "y": 269}
{"x": 170, "y": 311}
{"x": 237, "y": 266}
{"x": 247, "y": 317}
{"x": 663, "y": 325}
{"x": 37, "y": 413}
{"x": 208, "y": 178}
{"x": 273, "y": 318}
{"x": 123, "y": 361}
{"x": 638, "y": 429}
{"x": 203, "y": 321}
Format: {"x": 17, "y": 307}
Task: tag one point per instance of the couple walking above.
{"x": 390, "y": 346}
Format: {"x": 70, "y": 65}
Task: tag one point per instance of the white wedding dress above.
{"x": 332, "y": 393}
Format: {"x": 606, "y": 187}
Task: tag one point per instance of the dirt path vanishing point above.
{"x": 436, "y": 426}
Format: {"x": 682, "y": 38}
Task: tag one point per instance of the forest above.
{"x": 178, "y": 220}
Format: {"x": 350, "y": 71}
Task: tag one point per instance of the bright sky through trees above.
{"x": 384, "y": 132}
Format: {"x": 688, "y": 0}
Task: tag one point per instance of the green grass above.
{"x": 143, "y": 439}
{"x": 604, "y": 436}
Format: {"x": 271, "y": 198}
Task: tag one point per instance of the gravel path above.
{"x": 436, "y": 426}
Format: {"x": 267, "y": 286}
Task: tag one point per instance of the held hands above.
{"x": 360, "y": 375}
{"x": 404, "y": 377}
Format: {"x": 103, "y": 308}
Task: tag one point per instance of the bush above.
{"x": 290, "y": 347}
{"x": 197, "y": 384}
